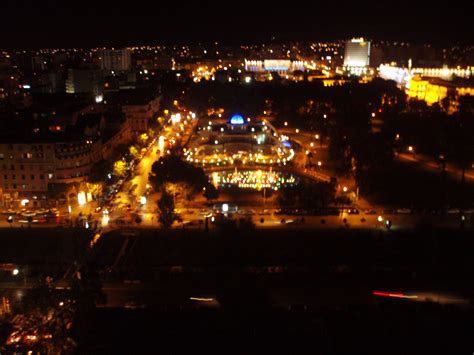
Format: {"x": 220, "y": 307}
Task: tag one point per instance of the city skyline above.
{"x": 299, "y": 175}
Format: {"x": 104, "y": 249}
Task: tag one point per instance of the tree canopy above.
{"x": 172, "y": 169}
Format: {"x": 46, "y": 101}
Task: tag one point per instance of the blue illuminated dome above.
{"x": 237, "y": 119}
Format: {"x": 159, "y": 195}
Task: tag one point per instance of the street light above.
{"x": 380, "y": 218}
{"x": 344, "y": 189}
{"x": 15, "y": 271}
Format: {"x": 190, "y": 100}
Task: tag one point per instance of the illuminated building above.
{"x": 357, "y": 53}
{"x": 115, "y": 59}
{"x": 403, "y": 75}
{"x": 280, "y": 66}
{"x": 433, "y": 90}
{"x": 422, "y": 89}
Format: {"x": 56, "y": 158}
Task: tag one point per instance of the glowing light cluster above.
{"x": 254, "y": 179}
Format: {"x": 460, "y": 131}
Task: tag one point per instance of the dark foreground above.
{"x": 389, "y": 328}
{"x": 246, "y": 292}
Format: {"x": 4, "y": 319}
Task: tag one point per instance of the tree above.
{"x": 211, "y": 193}
{"x": 95, "y": 189}
{"x": 143, "y": 139}
{"x": 99, "y": 171}
{"x": 134, "y": 152}
{"x": 171, "y": 169}
{"x": 461, "y": 148}
{"x": 120, "y": 168}
{"x": 166, "y": 209}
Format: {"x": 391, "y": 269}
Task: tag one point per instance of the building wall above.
{"x": 26, "y": 167}
{"x": 139, "y": 115}
{"x": 121, "y": 137}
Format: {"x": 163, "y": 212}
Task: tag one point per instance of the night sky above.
{"x": 48, "y": 23}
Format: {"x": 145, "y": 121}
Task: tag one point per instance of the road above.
{"x": 429, "y": 164}
{"x": 134, "y": 293}
{"x": 132, "y": 190}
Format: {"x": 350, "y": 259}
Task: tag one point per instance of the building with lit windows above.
{"x": 357, "y": 53}
{"x": 29, "y": 164}
{"x": 356, "y": 57}
{"x": 403, "y": 75}
{"x": 33, "y": 159}
{"x": 118, "y": 60}
{"x": 280, "y": 66}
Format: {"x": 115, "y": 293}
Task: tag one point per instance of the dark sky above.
{"x": 47, "y": 23}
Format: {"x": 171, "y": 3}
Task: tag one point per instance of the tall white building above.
{"x": 357, "y": 53}
{"x": 115, "y": 59}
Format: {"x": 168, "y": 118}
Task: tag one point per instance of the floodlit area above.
{"x": 254, "y": 179}
{"x": 238, "y": 141}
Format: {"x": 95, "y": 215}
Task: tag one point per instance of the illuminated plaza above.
{"x": 238, "y": 141}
